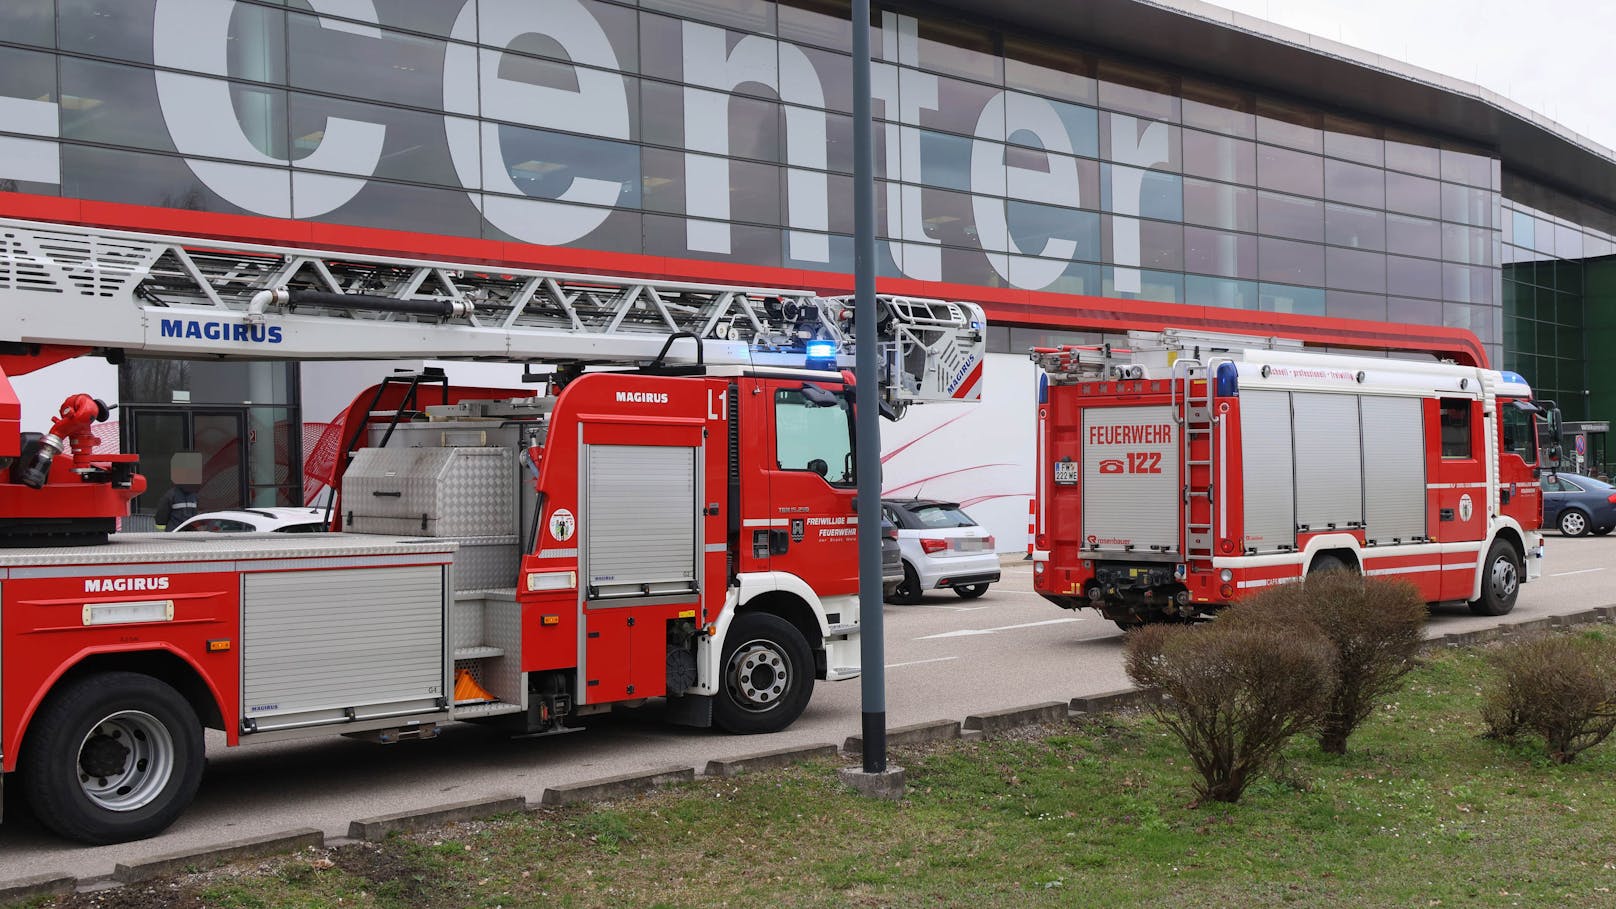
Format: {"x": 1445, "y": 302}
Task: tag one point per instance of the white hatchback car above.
{"x": 258, "y": 520}
{"x": 942, "y": 547}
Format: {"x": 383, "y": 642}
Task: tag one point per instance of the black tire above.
{"x": 768, "y": 675}
{"x": 908, "y": 593}
{"x": 1573, "y": 523}
{"x": 1330, "y": 562}
{"x": 133, "y": 728}
{"x": 1601, "y": 531}
{"x": 1500, "y": 580}
{"x": 971, "y": 591}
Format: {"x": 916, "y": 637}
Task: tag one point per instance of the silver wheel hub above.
{"x": 1573, "y": 523}
{"x": 125, "y": 761}
{"x": 758, "y": 676}
{"x": 1504, "y": 578}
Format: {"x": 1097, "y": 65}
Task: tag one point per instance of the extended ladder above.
{"x": 161, "y": 295}
{"x": 1197, "y": 448}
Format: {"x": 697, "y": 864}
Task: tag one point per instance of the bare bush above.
{"x": 1233, "y": 694}
{"x": 1375, "y": 626}
{"x": 1560, "y": 688}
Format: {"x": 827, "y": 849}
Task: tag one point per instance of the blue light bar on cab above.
{"x": 820, "y": 354}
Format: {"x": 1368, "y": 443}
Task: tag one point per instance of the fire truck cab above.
{"x": 1180, "y": 475}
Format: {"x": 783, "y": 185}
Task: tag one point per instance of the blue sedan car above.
{"x": 1577, "y": 504}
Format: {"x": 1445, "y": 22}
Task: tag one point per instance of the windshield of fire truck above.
{"x": 810, "y": 436}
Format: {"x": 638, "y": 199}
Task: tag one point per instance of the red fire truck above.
{"x": 1187, "y": 471}
{"x": 670, "y": 517}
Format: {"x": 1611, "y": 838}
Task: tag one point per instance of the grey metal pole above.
{"x": 872, "y": 653}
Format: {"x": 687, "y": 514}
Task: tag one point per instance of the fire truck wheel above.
{"x": 112, "y": 757}
{"x": 1500, "y": 581}
{"x": 971, "y": 591}
{"x": 1573, "y": 523}
{"x": 907, "y": 593}
{"x": 768, "y": 675}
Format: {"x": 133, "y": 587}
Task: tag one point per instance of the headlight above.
{"x": 1226, "y": 575}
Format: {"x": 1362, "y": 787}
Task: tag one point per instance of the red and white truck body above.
{"x": 672, "y": 518}
{"x": 1187, "y": 472}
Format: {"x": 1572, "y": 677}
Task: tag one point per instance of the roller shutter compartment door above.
{"x": 1267, "y": 471}
{"x": 1394, "y": 469}
{"x": 1329, "y": 461}
{"x": 639, "y": 521}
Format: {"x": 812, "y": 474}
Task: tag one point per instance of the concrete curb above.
{"x": 1112, "y": 701}
{"x": 252, "y": 847}
{"x": 915, "y": 734}
{"x": 768, "y": 760}
{"x": 1002, "y": 720}
{"x": 376, "y": 828}
{"x": 613, "y": 787}
{"x": 55, "y": 883}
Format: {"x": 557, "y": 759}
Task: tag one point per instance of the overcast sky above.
{"x": 1553, "y": 56}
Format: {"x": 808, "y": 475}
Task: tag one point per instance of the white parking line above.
{"x": 1561, "y": 574}
{"x": 918, "y": 662}
{"x": 948, "y": 608}
{"x": 969, "y": 632}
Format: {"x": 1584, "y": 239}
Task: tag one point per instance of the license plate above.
{"x": 970, "y": 545}
{"x": 1066, "y": 473}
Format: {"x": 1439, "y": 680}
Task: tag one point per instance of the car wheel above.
{"x": 1500, "y": 580}
{"x": 1573, "y": 523}
{"x": 971, "y": 591}
{"x": 1601, "y": 531}
{"x": 113, "y": 757}
{"x": 908, "y": 592}
{"x": 768, "y": 675}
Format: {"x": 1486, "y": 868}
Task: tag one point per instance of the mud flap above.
{"x": 690, "y": 710}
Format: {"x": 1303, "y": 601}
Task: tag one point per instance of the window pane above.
{"x": 1354, "y": 183}
{"x": 1471, "y": 245}
{"x": 1413, "y": 277}
{"x": 1033, "y": 227}
{"x": 1468, "y": 283}
{"x": 121, "y": 29}
{"x": 29, "y": 75}
{"x": 1290, "y": 171}
{"x": 959, "y": 103}
{"x": 1360, "y": 228}
{"x": 1307, "y": 301}
{"x": 1464, "y": 167}
{"x": 1219, "y": 157}
{"x": 384, "y": 204}
{"x": 1351, "y": 269}
{"x": 159, "y": 180}
{"x": 1353, "y": 141}
{"x": 1412, "y": 157}
{"x": 1290, "y": 262}
{"x": 1220, "y": 205}
{"x": 1223, "y": 292}
{"x": 1455, "y": 423}
{"x": 403, "y": 69}
{"x": 1082, "y": 129}
{"x": 1219, "y": 109}
{"x": 953, "y": 47}
{"x": 414, "y": 147}
{"x": 1215, "y": 252}
{"x": 1521, "y": 230}
{"x": 543, "y": 164}
{"x": 1418, "y": 312}
{"x": 1468, "y": 205}
{"x": 752, "y": 15}
{"x": 1413, "y": 195}
{"x": 1287, "y": 124}
{"x": 1413, "y": 236}
{"x": 1295, "y": 217}
{"x": 1343, "y": 305}
{"x": 949, "y": 217}
{"x": 1137, "y": 90}
{"x": 1049, "y": 71}
{"x": 28, "y": 22}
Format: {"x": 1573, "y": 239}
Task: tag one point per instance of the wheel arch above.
{"x": 795, "y": 610}
{"x": 164, "y": 664}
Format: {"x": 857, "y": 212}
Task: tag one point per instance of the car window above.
{"x": 1568, "y": 486}
{"x": 813, "y": 438}
{"x": 937, "y": 516}
{"x": 301, "y": 528}
{"x": 217, "y": 525}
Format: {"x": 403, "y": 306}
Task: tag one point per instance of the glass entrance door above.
{"x": 217, "y": 434}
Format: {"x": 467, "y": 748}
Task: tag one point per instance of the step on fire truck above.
{"x": 1188, "y": 471}
{"x": 672, "y": 518}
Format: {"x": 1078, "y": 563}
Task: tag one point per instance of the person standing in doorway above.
{"x": 178, "y": 504}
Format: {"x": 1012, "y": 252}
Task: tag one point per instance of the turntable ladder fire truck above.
{"x": 672, "y": 517}
{"x": 1188, "y": 471}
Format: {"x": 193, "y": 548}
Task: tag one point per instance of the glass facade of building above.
{"x": 721, "y": 130}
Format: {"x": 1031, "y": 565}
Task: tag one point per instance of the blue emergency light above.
{"x": 820, "y": 354}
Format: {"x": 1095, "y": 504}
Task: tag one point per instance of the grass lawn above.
{"x": 1421, "y": 813}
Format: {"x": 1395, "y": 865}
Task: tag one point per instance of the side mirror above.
{"x": 819, "y": 397}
